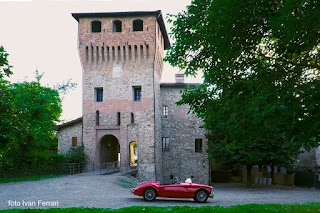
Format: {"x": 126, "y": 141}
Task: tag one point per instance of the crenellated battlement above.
{"x": 116, "y": 55}
{"x": 121, "y": 39}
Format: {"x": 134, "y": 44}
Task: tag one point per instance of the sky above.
{"x": 42, "y": 34}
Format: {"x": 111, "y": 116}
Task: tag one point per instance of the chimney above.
{"x": 179, "y": 78}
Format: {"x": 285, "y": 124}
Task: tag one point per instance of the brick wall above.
{"x": 118, "y": 62}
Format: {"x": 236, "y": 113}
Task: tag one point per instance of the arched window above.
{"x": 137, "y": 25}
{"x": 117, "y": 26}
{"x": 96, "y": 26}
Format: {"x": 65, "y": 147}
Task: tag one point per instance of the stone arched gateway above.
{"x": 109, "y": 149}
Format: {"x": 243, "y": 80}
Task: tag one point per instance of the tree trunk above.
{"x": 272, "y": 174}
{"x": 249, "y": 182}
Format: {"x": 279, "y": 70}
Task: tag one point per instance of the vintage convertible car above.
{"x": 187, "y": 189}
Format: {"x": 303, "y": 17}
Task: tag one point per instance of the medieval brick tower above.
{"x": 121, "y": 55}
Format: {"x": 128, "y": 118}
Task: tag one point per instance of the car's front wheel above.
{"x": 149, "y": 194}
{"x": 201, "y": 196}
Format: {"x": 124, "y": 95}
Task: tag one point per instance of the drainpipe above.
{"x": 154, "y": 99}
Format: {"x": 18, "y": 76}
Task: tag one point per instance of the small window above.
{"x": 165, "y": 111}
{"x": 118, "y": 118}
{"x": 198, "y": 145}
{"x": 165, "y": 144}
{"x": 137, "y": 25}
{"x": 137, "y": 93}
{"x": 117, "y": 26}
{"x": 147, "y": 51}
{"x": 141, "y": 52}
{"x": 132, "y": 117}
{"x": 74, "y": 141}
{"x": 96, "y": 26}
{"x": 97, "y": 54}
{"x": 87, "y": 53}
{"x": 99, "y": 94}
{"x": 97, "y": 117}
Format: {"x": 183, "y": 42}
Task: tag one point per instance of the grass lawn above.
{"x": 31, "y": 178}
{"x": 261, "y": 208}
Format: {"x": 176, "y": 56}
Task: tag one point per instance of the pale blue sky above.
{"x": 43, "y": 34}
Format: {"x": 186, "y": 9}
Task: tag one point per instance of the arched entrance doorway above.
{"x": 109, "y": 149}
{"x": 133, "y": 153}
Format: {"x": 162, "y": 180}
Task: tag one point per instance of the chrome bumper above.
{"x": 212, "y": 194}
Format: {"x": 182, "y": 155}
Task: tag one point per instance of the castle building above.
{"x": 129, "y": 115}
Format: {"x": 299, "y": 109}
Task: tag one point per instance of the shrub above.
{"x": 33, "y": 164}
{"x": 76, "y": 155}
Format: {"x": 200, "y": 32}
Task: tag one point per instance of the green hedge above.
{"x": 40, "y": 163}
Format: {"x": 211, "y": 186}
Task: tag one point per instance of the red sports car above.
{"x": 187, "y": 189}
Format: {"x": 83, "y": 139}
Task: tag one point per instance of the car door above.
{"x": 187, "y": 190}
{"x": 170, "y": 190}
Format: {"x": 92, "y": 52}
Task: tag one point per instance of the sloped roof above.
{"x": 69, "y": 123}
{"x": 177, "y": 85}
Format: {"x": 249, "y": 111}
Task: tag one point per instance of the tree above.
{"x": 6, "y": 107}
{"x": 5, "y": 68}
{"x": 29, "y": 112}
{"x": 36, "y": 111}
{"x": 260, "y": 64}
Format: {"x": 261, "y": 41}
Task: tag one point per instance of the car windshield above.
{"x": 188, "y": 180}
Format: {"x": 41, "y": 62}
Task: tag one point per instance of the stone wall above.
{"x": 182, "y": 129}
{"x": 65, "y": 134}
{"x": 309, "y": 160}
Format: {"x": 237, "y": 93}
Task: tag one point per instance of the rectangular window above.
{"x": 132, "y": 118}
{"x": 165, "y": 111}
{"x": 87, "y": 54}
{"x": 118, "y": 118}
{"x": 117, "y": 26}
{"x": 198, "y": 145}
{"x": 165, "y": 144}
{"x": 137, "y": 93}
{"x": 74, "y": 141}
{"x": 97, "y": 117}
{"x": 99, "y": 94}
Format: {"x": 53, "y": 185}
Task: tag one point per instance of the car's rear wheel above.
{"x": 201, "y": 196}
{"x": 149, "y": 194}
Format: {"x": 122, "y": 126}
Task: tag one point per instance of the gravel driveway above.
{"x": 103, "y": 191}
